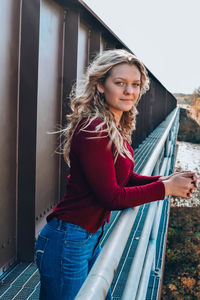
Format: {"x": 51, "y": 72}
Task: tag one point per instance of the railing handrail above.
{"x": 144, "y": 252}
{"x": 102, "y": 273}
{"x": 155, "y": 154}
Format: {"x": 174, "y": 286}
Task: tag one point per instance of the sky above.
{"x": 164, "y": 34}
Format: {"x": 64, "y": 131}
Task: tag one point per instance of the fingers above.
{"x": 182, "y": 184}
{"x": 191, "y": 189}
{"x": 188, "y": 174}
{"x": 195, "y": 180}
{"x": 192, "y": 175}
{"x": 184, "y": 174}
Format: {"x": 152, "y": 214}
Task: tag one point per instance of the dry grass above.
{"x": 182, "y": 266}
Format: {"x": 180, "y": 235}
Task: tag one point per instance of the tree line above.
{"x": 196, "y": 103}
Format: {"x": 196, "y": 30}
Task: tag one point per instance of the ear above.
{"x": 100, "y": 88}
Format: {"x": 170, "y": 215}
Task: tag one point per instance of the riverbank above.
{"x": 182, "y": 261}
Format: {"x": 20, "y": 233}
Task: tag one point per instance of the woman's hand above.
{"x": 180, "y": 184}
{"x": 184, "y": 173}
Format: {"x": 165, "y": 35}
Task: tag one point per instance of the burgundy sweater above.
{"x": 97, "y": 186}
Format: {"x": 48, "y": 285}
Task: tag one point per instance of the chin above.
{"x": 127, "y": 108}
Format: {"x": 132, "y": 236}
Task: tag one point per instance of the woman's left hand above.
{"x": 187, "y": 174}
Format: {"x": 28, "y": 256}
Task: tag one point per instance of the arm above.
{"x": 137, "y": 179}
{"x": 97, "y": 165}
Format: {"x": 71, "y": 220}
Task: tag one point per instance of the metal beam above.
{"x": 27, "y": 128}
{"x": 72, "y": 21}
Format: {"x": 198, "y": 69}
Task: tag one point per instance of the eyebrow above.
{"x": 126, "y": 79}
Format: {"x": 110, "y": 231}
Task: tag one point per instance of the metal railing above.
{"x": 101, "y": 275}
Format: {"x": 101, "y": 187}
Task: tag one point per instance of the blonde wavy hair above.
{"x": 87, "y": 102}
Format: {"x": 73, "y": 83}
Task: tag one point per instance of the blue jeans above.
{"x": 65, "y": 253}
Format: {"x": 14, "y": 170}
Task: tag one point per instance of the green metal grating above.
{"x": 22, "y": 282}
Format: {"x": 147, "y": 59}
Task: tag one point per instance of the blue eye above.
{"x": 136, "y": 84}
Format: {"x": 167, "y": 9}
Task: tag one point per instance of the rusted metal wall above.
{"x": 49, "y": 108}
{"x": 153, "y": 107}
{"x": 83, "y": 50}
{"x": 57, "y": 41}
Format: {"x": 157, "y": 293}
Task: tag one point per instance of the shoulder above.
{"x": 89, "y": 123}
{"x": 89, "y": 138}
{"x": 89, "y": 127}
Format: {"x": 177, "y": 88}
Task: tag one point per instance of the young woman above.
{"x": 97, "y": 148}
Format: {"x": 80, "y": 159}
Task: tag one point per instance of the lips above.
{"x": 126, "y": 99}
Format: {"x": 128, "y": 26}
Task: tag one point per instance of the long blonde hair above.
{"x": 87, "y": 102}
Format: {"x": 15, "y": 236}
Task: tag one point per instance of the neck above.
{"x": 117, "y": 118}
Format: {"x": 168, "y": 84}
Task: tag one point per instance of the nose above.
{"x": 128, "y": 89}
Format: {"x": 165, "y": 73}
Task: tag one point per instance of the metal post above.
{"x": 27, "y": 124}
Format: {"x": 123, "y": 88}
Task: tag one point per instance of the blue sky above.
{"x": 164, "y": 34}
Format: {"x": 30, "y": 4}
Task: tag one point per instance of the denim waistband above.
{"x": 63, "y": 225}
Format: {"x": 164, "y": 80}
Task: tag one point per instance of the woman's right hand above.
{"x": 180, "y": 185}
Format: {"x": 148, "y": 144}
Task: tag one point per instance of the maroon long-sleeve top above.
{"x": 97, "y": 185}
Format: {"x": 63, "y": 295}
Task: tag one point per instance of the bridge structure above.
{"x": 45, "y": 46}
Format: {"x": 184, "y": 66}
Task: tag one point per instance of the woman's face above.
{"x": 121, "y": 88}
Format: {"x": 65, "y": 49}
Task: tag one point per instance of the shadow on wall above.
{"x": 189, "y": 130}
